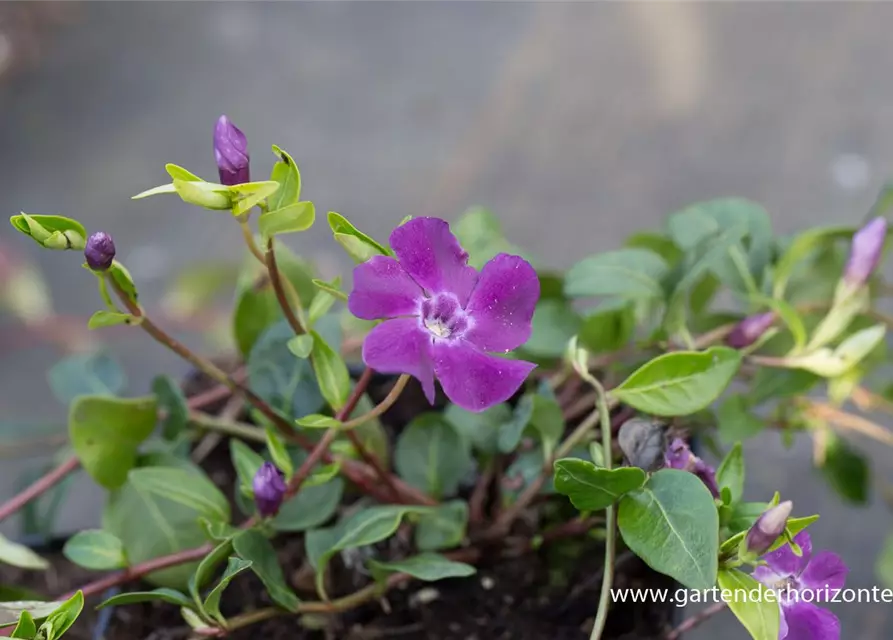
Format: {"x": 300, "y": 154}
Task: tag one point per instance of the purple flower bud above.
{"x": 750, "y": 330}
{"x": 100, "y": 251}
{"x": 269, "y": 489}
{"x": 865, "y": 252}
{"x": 231, "y": 152}
{"x": 765, "y": 531}
{"x": 679, "y": 456}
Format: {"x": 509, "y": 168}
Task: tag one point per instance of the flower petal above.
{"x": 383, "y": 289}
{"x": 433, "y": 257}
{"x": 475, "y": 380}
{"x": 783, "y": 561}
{"x": 401, "y": 346}
{"x": 767, "y": 576}
{"x": 825, "y": 570}
{"x": 806, "y": 621}
{"x": 502, "y": 304}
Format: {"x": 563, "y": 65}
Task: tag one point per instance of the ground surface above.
{"x": 576, "y": 123}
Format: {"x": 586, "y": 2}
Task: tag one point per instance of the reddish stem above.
{"x": 690, "y": 623}
{"x": 41, "y": 486}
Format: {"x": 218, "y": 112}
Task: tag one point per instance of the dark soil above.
{"x": 547, "y": 594}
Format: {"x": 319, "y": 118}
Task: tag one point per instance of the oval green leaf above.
{"x": 760, "y": 616}
{"x": 591, "y": 488}
{"x": 425, "y": 566}
{"x": 291, "y": 219}
{"x": 170, "y": 596}
{"x": 190, "y": 489}
{"x": 627, "y": 273}
{"x": 95, "y": 549}
{"x": 432, "y": 456}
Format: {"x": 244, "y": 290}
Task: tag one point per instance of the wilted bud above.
{"x": 865, "y": 252}
{"x": 100, "y": 251}
{"x": 231, "y": 152}
{"x": 765, "y": 531}
{"x": 643, "y": 443}
{"x": 679, "y": 456}
{"x": 750, "y": 330}
{"x": 269, "y": 489}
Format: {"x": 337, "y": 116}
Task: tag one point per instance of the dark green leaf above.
{"x": 314, "y": 504}
{"x": 251, "y": 545}
{"x": 106, "y": 432}
{"x": 760, "y": 616}
{"x": 171, "y": 399}
{"x": 481, "y": 430}
{"x": 591, "y": 488}
{"x": 86, "y": 374}
{"x": 95, "y": 549}
{"x": 656, "y": 243}
{"x": 286, "y": 173}
{"x": 608, "y": 327}
{"x": 234, "y": 567}
{"x": 771, "y": 383}
{"x": 554, "y": 323}
{"x": 672, "y": 524}
{"x": 170, "y": 596}
{"x": 679, "y": 383}
{"x": 846, "y": 470}
{"x": 425, "y": 566}
{"x": 190, "y": 489}
{"x": 731, "y": 473}
{"x": 802, "y": 246}
{"x": 627, "y": 273}
{"x": 443, "y": 527}
{"x": 431, "y": 455}
{"x": 736, "y": 422}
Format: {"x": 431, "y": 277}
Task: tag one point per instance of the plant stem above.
{"x": 604, "y": 600}
{"x": 39, "y": 487}
{"x": 229, "y": 427}
{"x": 249, "y": 239}
{"x": 282, "y": 287}
{"x": 382, "y": 406}
{"x": 690, "y": 623}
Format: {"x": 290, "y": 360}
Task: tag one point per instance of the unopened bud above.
{"x": 766, "y": 530}
{"x": 865, "y": 252}
{"x": 269, "y": 489}
{"x": 679, "y": 456}
{"x": 100, "y": 251}
{"x": 750, "y": 330}
{"x": 231, "y": 152}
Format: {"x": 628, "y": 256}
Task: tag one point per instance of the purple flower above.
{"x": 231, "y": 152}
{"x": 865, "y": 252}
{"x": 750, "y": 330}
{"x": 99, "y": 251}
{"x": 269, "y": 489}
{"x": 821, "y": 575}
{"x": 442, "y": 316}
{"x": 679, "y": 456}
{"x": 767, "y": 528}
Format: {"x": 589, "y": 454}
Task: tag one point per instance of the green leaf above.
{"x": 85, "y": 374}
{"x": 234, "y": 567}
{"x": 206, "y": 569}
{"x": 256, "y": 307}
{"x": 331, "y": 372}
{"x": 358, "y": 245}
{"x": 314, "y": 504}
{"x": 245, "y": 461}
{"x": 95, "y": 549}
{"x": 771, "y": 383}
{"x": 217, "y": 531}
{"x": 802, "y": 246}
{"x": 846, "y": 470}
{"x": 672, "y": 524}
{"x": 627, "y": 273}
{"x": 443, "y": 527}
{"x": 286, "y": 173}
{"x": 280, "y": 456}
{"x": 301, "y": 346}
{"x": 208, "y": 195}
{"x": 554, "y": 323}
{"x": 844, "y": 357}
{"x": 177, "y": 172}
{"x": 169, "y": 596}
{"x": 679, "y": 383}
{"x": 121, "y": 276}
{"x": 171, "y": 400}
{"x": 318, "y": 421}
{"x": 608, "y": 327}
{"x": 884, "y": 565}
{"x": 480, "y": 430}
{"x": 246, "y": 196}
{"x": 792, "y": 320}
{"x": 106, "y": 432}
{"x": 251, "y": 545}
{"x": 152, "y": 525}
{"x": 197, "y": 287}
{"x": 25, "y": 627}
{"x": 155, "y": 191}
{"x": 432, "y": 456}
{"x": 510, "y": 432}
{"x": 52, "y": 232}
{"x": 480, "y": 234}
{"x": 760, "y": 616}
{"x": 10, "y": 612}
{"x": 591, "y": 488}
{"x": 18, "y": 555}
{"x": 731, "y": 473}
{"x": 192, "y": 490}
{"x": 109, "y": 319}
{"x": 322, "y": 303}
{"x": 425, "y": 566}
{"x": 291, "y": 219}
{"x": 735, "y": 420}
{"x": 60, "y": 620}
{"x": 332, "y": 288}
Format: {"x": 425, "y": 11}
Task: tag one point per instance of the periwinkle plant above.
{"x": 535, "y": 390}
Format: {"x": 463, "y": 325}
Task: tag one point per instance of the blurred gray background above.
{"x": 576, "y": 123}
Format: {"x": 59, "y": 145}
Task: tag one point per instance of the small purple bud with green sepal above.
{"x": 766, "y": 530}
{"x": 269, "y": 489}
{"x": 100, "y": 251}
{"x": 679, "y": 456}
{"x": 865, "y": 252}
{"x": 750, "y": 330}
{"x": 231, "y": 152}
